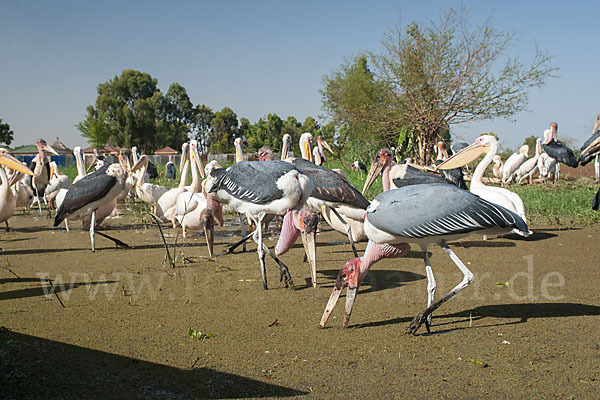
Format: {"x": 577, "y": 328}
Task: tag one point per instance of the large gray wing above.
{"x": 420, "y": 211}
{"x": 590, "y": 148}
{"x": 331, "y": 186}
{"x": 85, "y": 191}
{"x": 253, "y": 181}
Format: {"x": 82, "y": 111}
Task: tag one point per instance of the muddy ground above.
{"x": 528, "y": 326}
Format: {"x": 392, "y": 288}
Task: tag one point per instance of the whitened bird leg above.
{"x": 92, "y": 229}
{"x": 260, "y": 250}
{"x": 466, "y": 281}
{"x": 557, "y": 172}
{"x": 67, "y": 224}
{"x": 597, "y": 168}
{"x": 431, "y": 286}
{"x": 348, "y": 230}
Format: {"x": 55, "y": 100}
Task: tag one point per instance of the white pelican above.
{"x": 8, "y": 200}
{"x": 503, "y": 197}
{"x": 513, "y": 162}
{"x": 498, "y": 167}
{"x": 169, "y": 199}
{"x": 145, "y": 191}
{"x": 529, "y": 167}
{"x": 57, "y": 182}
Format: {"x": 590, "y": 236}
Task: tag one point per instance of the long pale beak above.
{"x": 49, "y": 149}
{"x": 326, "y": 145}
{"x": 374, "y": 172}
{"x": 139, "y": 164}
{"x": 335, "y": 295}
{"x": 209, "y": 234}
{"x": 308, "y": 240}
{"x": 14, "y": 164}
{"x": 464, "y": 156}
{"x": 285, "y": 148}
{"x": 184, "y": 157}
{"x": 350, "y": 299}
{"x": 197, "y": 160}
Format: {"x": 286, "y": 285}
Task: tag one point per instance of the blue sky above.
{"x": 261, "y": 57}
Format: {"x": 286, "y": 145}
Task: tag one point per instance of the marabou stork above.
{"x": 396, "y": 175}
{"x": 40, "y": 165}
{"x": 530, "y": 166}
{"x": 171, "y": 172}
{"x": 319, "y": 151}
{"x": 265, "y": 153}
{"x": 555, "y": 149}
{"x": 92, "y": 192}
{"x": 260, "y": 188}
{"x": 331, "y": 190}
{"x": 8, "y": 200}
{"x": 591, "y": 149}
{"x": 424, "y": 215}
{"x": 513, "y": 163}
{"x": 453, "y": 176}
{"x": 500, "y": 196}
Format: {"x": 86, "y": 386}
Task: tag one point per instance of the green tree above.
{"x": 225, "y": 129}
{"x": 449, "y": 71}
{"x": 131, "y": 110}
{"x": 6, "y": 134}
{"x": 202, "y": 129}
{"x": 95, "y": 128}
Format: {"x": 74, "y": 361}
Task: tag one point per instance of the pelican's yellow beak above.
{"x": 464, "y": 156}
{"x": 308, "y": 151}
{"x": 184, "y": 157}
{"x": 197, "y": 160}
{"x": 14, "y": 164}
{"x": 284, "y": 150}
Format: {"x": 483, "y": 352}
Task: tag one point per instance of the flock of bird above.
{"x": 414, "y": 206}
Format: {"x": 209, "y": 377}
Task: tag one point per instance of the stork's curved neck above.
{"x": 478, "y": 173}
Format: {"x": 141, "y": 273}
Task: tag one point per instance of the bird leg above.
{"x": 92, "y": 228}
{"x": 7, "y": 227}
{"x": 597, "y": 168}
{"x": 244, "y": 239}
{"x": 348, "y": 230}
{"x": 243, "y": 228}
{"x": 284, "y": 272}
{"x": 260, "y": 250}
{"x": 466, "y": 281}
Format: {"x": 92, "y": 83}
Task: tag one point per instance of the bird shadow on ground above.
{"x": 33, "y": 360}
{"x": 47, "y": 288}
{"x": 483, "y": 243}
{"x": 377, "y": 280}
{"x": 520, "y": 312}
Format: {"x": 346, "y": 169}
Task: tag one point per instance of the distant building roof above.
{"x": 114, "y": 150}
{"x": 166, "y": 150}
{"x": 24, "y": 150}
{"x": 60, "y": 147}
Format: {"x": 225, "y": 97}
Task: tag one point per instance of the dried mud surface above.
{"x": 123, "y": 330}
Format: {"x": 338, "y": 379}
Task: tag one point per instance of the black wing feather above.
{"x": 253, "y": 181}
{"x": 331, "y": 186}
{"x": 561, "y": 153}
{"x": 85, "y": 191}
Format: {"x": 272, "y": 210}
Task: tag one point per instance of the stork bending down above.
{"x": 424, "y": 215}
{"x": 260, "y": 188}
